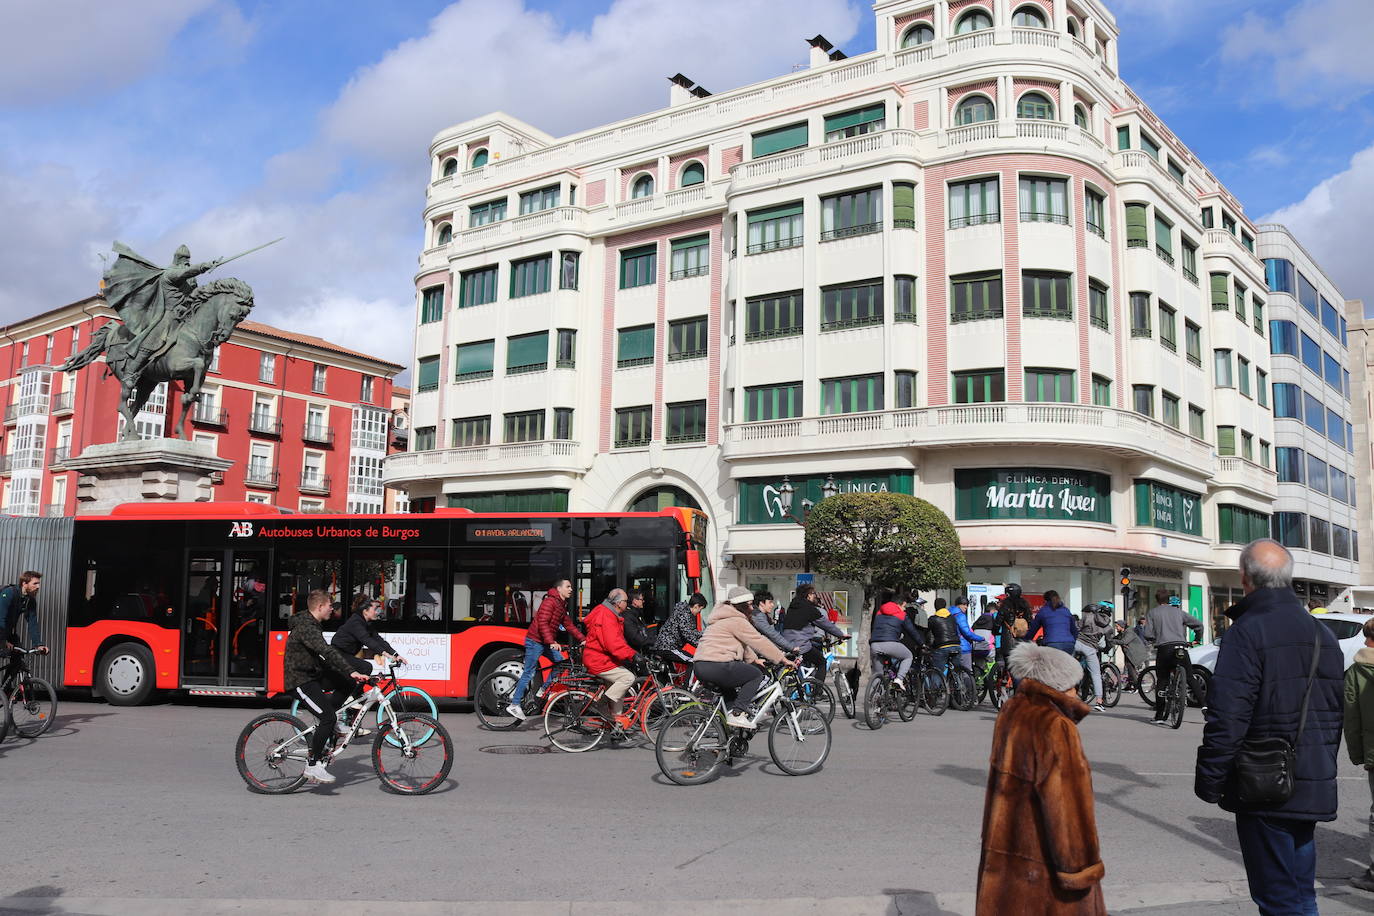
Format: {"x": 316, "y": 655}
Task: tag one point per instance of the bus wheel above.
{"x": 511, "y": 661}
{"x": 125, "y": 675}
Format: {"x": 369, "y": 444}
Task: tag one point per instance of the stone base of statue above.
{"x": 148, "y": 470}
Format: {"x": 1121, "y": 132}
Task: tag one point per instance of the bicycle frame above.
{"x": 371, "y": 698}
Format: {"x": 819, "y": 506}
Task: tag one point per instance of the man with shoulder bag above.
{"x": 1274, "y": 718}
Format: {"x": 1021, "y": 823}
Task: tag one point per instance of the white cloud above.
{"x": 1318, "y": 52}
{"x": 1326, "y": 223}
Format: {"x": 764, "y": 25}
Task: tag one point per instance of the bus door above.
{"x": 225, "y": 628}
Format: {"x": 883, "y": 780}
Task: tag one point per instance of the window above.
{"x": 1137, "y": 226}
{"x": 1221, "y": 292}
{"x": 566, "y": 355}
{"x": 917, "y": 35}
{"x": 973, "y": 203}
{"x": 903, "y": 205}
{"x": 854, "y": 122}
{"x": 214, "y": 359}
{"x": 471, "y": 431}
{"x": 449, "y": 167}
{"x": 1164, "y": 240}
{"x": 431, "y": 304}
{"x": 1238, "y": 525}
{"x": 1197, "y": 422}
{"x": 568, "y": 270}
{"x": 1262, "y": 387}
{"x": 427, "y": 373}
{"x": 1097, "y": 305}
{"x": 1176, "y": 172}
{"x": 1340, "y": 542}
{"x": 493, "y": 211}
{"x": 475, "y": 360}
{"x": 1035, "y": 106}
{"x": 530, "y": 276}
{"x": 1192, "y": 342}
{"x": 1028, "y": 17}
{"x": 1123, "y": 137}
{"x": 853, "y": 213}
{"x": 634, "y": 346}
{"x": 1307, "y": 295}
{"x": 1247, "y": 446}
{"x": 1289, "y": 463}
{"x": 1257, "y": 313}
{"x": 542, "y": 199}
{"x": 1313, "y": 413}
{"x": 1102, "y": 391}
{"x": 638, "y": 266}
{"x": 445, "y": 234}
{"x": 692, "y": 173}
{"x": 1248, "y": 241}
{"x": 1340, "y": 485}
{"x": 267, "y": 367}
{"x": 774, "y": 228}
{"x": 1051, "y": 385}
{"x": 1143, "y": 400}
{"x": 1243, "y": 375}
{"x": 1330, "y": 320}
{"x": 1080, "y": 117}
{"x": 1044, "y": 200}
{"x": 527, "y": 353}
{"x": 1278, "y": 274}
{"x": 972, "y": 21}
{"x": 633, "y": 426}
{"x": 1045, "y": 294}
{"x": 1240, "y": 302}
{"x": 1149, "y": 146}
{"x": 904, "y": 298}
{"x": 686, "y": 422}
{"x": 852, "y": 305}
{"x": 1140, "y": 315}
{"x": 981, "y": 386}
{"x": 1321, "y": 535}
{"x": 687, "y": 339}
{"x": 1226, "y": 440}
{"x": 905, "y": 383}
{"x": 853, "y": 394}
{"x": 1331, "y": 371}
{"x": 773, "y": 402}
{"x": 1168, "y": 327}
{"x": 974, "y": 109}
{"x": 1290, "y": 529}
{"x": 689, "y": 257}
{"x": 643, "y": 187}
{"x": 424, "y": 438}
{"x": 476, "y": 287}
{"x": 1283, "y": 338}
{"x": 1311, "y": 355}
{"x": 318, "y": 378}
{"x": 562, "y": 423}
{"x": 1095, "y": 210}
{"x": 1221, "y": 369}
{"x": 526, "y": 426}
{"x": 1171, "y": 404}
{"x": 779, "y": 140}
{"x": 1189, "y": 259}
{"x": 479, "y": 159}
{"x": 1335, "y": 427}
{"x": 976, "y": 296}
{"x": 778, "y": 315}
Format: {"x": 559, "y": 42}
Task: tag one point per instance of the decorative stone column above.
{"x": 149, "y": 470}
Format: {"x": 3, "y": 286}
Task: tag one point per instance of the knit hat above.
{"x": 1054, "y": 668}
{"x": 738, "y": 594}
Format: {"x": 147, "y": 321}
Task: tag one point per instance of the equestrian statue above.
{"x": 169, "y": 328}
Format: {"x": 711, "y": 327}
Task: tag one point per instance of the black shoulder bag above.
{"x": 1266, "y": 768}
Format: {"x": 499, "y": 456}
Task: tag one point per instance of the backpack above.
{"x": 1019, "y": 627}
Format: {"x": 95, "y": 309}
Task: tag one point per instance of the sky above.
{"x": 225, "y": 123}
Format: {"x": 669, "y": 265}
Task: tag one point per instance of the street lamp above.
{"x": 786, "y": 492}
{"x": 830, "y": 488}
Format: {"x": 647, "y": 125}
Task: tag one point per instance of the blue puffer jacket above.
{"x": 967, "y": 638}
{"x": 1257, "y": 692}
{"x": 890, "y": 627}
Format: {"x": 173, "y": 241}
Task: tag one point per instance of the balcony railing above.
{"x": 960, "y": 222}
{"x": 315, "y": 483}
{"x": 6, "y": 463}
{"x": 54, "y": 510}
{"x": 63, "y": 402}
{"x": 29, "y": 459}
{"x": 683, "y": 273}
{"x": 845, "y": 232}
{"x": 12, "y": 413}
{"x": 1165, "y": 255}
{"x": 59, "y": 454}
{"x": 210, "y": 416}
{"x": 261, "y": 477}
{"x": 318, "y": 433}
{"x": 843, "y": 324}
{"x": 1063, "y": 314}
{"x": 975, "y": 315}
{"x": 264, "y": 424}
{"x": 775, "y": 245}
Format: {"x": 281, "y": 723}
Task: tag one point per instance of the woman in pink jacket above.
{"x": 724, "y": 657}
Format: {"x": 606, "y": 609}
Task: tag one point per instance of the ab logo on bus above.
{"x": 241, "y": 529}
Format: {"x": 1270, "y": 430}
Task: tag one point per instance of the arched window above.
{"x": 445, "y": 234}
{"x": 974, "y": 109}
{"x": 1035, "y": 106}
{"x": 973, "y": 21}
{"x": 450, "y": 167}
{"x": 694, "y": 173}
{"x": 643, "y": 186}
{"x": 662, "y": 498}
{"x": 1080, "y": 116}
{"x": 479, "y": 158}
{"x": 1073, "y": 27}
{"x": 1028, "y": 17}
{"x": 919, "y": 34}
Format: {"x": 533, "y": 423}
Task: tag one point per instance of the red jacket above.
{"x": 606, "y": 645}
{"x": 552, "y": 613}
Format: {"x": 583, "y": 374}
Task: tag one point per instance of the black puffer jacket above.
{"x": 308, "y": 656}
{"x": 357, "y": 631}
{"x": 1257, "y": 692}
{"x": 944, "y": 631}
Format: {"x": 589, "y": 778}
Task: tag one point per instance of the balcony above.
{"x": 63, "y": 402}
{"x": 1240, "y": 473}
{"x": 264, "y": 424}
{"x": 29, "y": 459}
{"x": 209, "y": 416}
{"x": 263, "y": 478}
{"x": 1220, "y": 241}
{"x": 6, "y": 464}
{"x": 12, "y": 413}
{"x": 315, "y": 483}
{"x": 1134, "y": 164}
{"x": 531, "y": 225}
{"x": 59, "y": 455}
{"x": 864, "y": 149}
{"x": 318, "y": 433}
{"x": 54, "y": 510}
{"x": 549, "y": 455}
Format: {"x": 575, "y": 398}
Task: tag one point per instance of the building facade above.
{"x": 1362, "y": 395}
{"x": 306, "y": 422}
{"x": 971, "y": 265}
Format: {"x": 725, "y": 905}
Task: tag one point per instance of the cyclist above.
{"x": 890, "y": 624}
{"x": 320, "y": 674}
{"x": 804, "y": 620}
{"x": 1056, "y": 622}
{"x": 1096, "y": 623}
{"x": 1134, "y": 648}
{"x": 944, "y": 635}
{"x": 967, "y": 638}
{"x": 541, "y": 639}
{"x": 728, "y": 646}
{"x": 359, "y": 631}
{"x": 636, "y": 634}
{"x": 681, "y": 628}
{"x": 608, "y": 655}
{"x": 1167, "y": 625}
{"x": 761, "y": 616}
{"x": 21, "y": 601}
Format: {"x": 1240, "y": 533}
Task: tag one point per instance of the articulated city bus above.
{"x": 196, "y": 596}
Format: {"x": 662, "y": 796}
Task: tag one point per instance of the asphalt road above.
{"x": 142, "y": 811}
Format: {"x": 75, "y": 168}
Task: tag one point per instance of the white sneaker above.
{"x": 516, "y": 710}
{"x": 317, "y": 772}
{"x": 738, "y": 720}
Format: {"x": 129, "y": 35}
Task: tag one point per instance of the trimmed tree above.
{"x": 883, "y": 539}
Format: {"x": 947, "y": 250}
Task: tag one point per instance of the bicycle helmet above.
{"x": 1175, "y": 601}
{"x": 1107, "y": 606}
{"x": 1013, "y": 590}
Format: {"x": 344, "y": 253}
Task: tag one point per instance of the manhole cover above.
{"x": 515, "y": 749}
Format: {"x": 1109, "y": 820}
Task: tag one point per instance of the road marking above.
{"x": 1361, "y": 778}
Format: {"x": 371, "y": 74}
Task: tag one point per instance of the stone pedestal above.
{"x": 149, "y": 470}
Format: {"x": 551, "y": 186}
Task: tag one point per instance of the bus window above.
{"x": 407, "y": 582}
{"x": 127, "y": 580}
{"x": 647, "y": 571}
{"x": 503, "y": 586}
{"x": 299, "y": 572}
{"x": 596, "y": 576}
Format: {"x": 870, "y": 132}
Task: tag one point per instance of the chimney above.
{"x": 700, "y": 92}
{"x": 819, "y": 49}
{"x": 837, "y": 54}
{"x": 679, "y": 90}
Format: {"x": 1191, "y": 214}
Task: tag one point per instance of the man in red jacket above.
{"x": 607, "y": 653}
{"x": 541, "y": 637}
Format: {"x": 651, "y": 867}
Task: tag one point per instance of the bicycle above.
{"x": 1198, "y": 686}
{"x": 813, "y": 690}
{"x": 994, "y": 682}
{"x": 1111, "y": 682}
{"x": 407, "y": 698}
{"x": 881, "y": 698}
{"x": 963, "y": 689}
{"x": 577, "y": 719}
{"x": 492, "y": 698}
{"x": 31, "y": 703}
{"x": 842, "y": 692}
{"x": 694, "y": 742}
{"x": 928, "y": 685}
{"x": 412, "y": 753}
{"x": 1175, "y": 697}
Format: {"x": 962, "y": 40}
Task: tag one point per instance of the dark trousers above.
{"x": 736, "y": 681}
{"x": 1280, "y": 863}
{"x": 1167, "y": 658}
{"x": 815, "y": 658}
{"x": 323, "y": 700}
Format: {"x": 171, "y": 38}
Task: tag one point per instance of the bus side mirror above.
{"x": 693, "y": 564}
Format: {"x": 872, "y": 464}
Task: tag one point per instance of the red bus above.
{"x": 196, "y": 596}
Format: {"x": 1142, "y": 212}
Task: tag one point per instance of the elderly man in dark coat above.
{"x": 1258, "y": 690}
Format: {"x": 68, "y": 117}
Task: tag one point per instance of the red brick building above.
{"x": 305, "y": 421}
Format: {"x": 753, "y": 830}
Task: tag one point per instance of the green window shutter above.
{"x": 635, "y": 345}
{"x": 695, "y": 241}
{"x": 1221, "y": 293}
{"x": 1164, "y": 236}
{"x": 1137, "y": 228}
{"x": 427, "y": 373}
{"x": 528, "y": 350}
{"x": 1226, "y": 524}
{"x": 903, "y": 205}
{"x": 476, "y": 358}
{"x": 850, "y": 118}
{"x": 1123, "y": 138}
{"x": 786, "y": 210}
{"x": 1226, "y": 440}
{"x": 783, "y": 138}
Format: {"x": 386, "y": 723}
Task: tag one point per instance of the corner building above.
{"x": 970, "y": 265}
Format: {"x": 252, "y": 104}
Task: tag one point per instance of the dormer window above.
{"x": 479, "y": 158}
{"x": 643, "y": 187}
{"x": 919, "y": 34}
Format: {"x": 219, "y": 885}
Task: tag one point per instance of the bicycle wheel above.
{"x": 493, "y": 696}
{"x": 691, "y": 745}
{"x": 1111, "y": 685}
{"x": 413, "y": 755}
{"x": 799, "y": 739}
{"x": 961, "y": 689}
{"x": 658, "y": 708}
{"x": 271, "y": 753}
{"x": 4, "y": 715}
{"x": 843, "y": 693}
{"x": 572, "y": 724}
{"x": 1173, "y": 712}
{"x": 1146, "y": 686}
{"x": 875, "y": 703}
{"x": 815, "y": 692}
{"x": 997, "y": 690}
{"x": 32, "y": 707}
{"x": 907, "y": 700}
{"x": 934, "y": 693}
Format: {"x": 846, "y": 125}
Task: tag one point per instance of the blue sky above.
{"x": 223, "y": 123}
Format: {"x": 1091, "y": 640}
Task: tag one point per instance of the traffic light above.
{"x": 1125, "y": 577}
